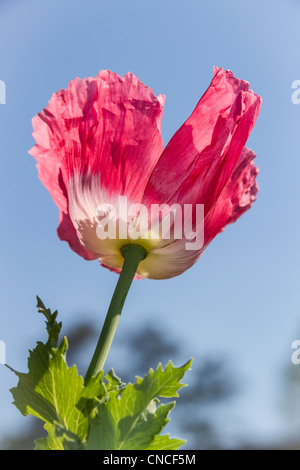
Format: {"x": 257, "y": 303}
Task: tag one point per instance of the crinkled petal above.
{"x": 66, "y": 232}
{"x": 106, "y": 126}
{"x": 236, "y": 198}
{"x": 199, "y": 160}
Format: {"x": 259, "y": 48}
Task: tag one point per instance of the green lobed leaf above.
{"x": 165, "y": 443}
{"x": 51, "y": 390}
{"x": 51, "y": 441}
{"x": 130, "y": 419}
{"x": 53, "y": 328}
{"x": 58, "y": 438}
{"x": 113, "y": 382}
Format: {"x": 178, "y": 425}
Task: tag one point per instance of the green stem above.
{"x": 132, "y": 254}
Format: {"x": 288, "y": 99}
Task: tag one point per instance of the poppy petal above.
{"x": 108, "y": 127}
{"x": 201, "y": 156}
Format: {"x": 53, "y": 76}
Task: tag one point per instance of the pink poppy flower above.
{"x": 99, "y": 141}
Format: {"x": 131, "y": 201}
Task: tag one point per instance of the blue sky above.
{"x": 241, "y": 300}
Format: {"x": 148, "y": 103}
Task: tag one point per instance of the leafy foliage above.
{"x": 103, "y": 414}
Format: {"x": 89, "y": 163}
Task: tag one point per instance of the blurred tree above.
{"x": 210, "y": 384}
